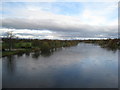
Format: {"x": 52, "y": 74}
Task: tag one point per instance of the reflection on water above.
{"x": 20, "y": 54}
{"x": 36, "y": 54}
{"x": 110, "y": 49}
{"x": 47, "y": 54}
{"x": 27, "y": 53}
{"x": 85, "y": 65}
{"x": 10, "y": 64}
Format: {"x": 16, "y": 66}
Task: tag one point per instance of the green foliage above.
{"x": 36, "y": 43}
{"x": 112, "y": 44}
{"x": 45, "y": 47}
{"x": 23, "y": 45}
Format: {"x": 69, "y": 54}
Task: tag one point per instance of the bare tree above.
{"x": 10, "y": 36}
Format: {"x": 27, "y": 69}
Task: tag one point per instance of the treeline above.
{"x": 112, "y": 44}
{"x": 25, "y": 45}
{"x": 46, "y": 44}
{"x": 15, "y": 46}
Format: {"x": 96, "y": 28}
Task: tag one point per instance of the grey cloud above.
{"x": 41, "y": 24}
{"x": 64, "y": 29}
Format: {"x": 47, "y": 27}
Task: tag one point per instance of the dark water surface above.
{"x": 82, "y": 66}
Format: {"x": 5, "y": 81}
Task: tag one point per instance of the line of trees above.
{"x": 113, "y": 44}
{"x": 35, "y": 43}
{"x": 10, "y": 43}
{"x": 10, "y": 36}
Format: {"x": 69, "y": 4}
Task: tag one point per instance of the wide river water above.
{"x": 81, "y": 66}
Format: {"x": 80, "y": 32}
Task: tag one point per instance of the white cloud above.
{"x": 90, "y": 14}
{"x": 90, "y": 17}
{"x": 90, "y": 22}
{"x": 100, "y": 14}
{"x": 26, "y": 33}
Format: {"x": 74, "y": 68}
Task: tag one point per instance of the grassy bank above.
{"x": 8, "y": 53}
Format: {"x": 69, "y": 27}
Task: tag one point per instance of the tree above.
{"x": 10, "y": 36}
{"x": 45, "y": 47}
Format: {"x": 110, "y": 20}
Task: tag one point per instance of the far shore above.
{"x": 17, "y": 46}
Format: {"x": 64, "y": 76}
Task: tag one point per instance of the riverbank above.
{"x": 18, "y": 46}
{"x": 8, "y": 53}
{"x": 31, "y": 45}
{"x": 111, "y": 44}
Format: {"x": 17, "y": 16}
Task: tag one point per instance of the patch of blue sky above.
{"x": 63, "y": 8}
{"x": 9, "y": 8}
{"x": 14, "y": 4}
{"x": 68, "y": 8}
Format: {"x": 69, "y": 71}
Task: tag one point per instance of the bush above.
{"x": 45, "y": 47}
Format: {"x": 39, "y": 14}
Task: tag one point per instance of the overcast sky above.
{"x": 60, "y": 20}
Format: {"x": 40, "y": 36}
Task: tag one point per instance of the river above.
{"x": 81, "y": 66}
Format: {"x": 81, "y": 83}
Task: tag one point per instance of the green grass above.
{"x": 7, "y": 53}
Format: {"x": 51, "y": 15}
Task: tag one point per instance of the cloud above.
{"x": 89, "y": 23}
{"x": 64, "y": 34}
